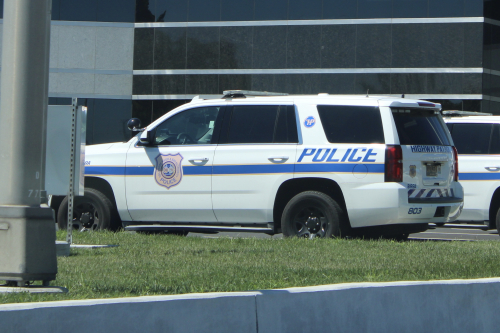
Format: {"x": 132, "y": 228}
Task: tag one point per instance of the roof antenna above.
{"x": 367, "y": 90}
{"x": 403, "y": 96}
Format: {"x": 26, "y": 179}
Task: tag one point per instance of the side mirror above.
{"x": 134, "y": 124}
{"x": 147, "y": 138}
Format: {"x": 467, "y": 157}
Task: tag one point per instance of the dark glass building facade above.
{"x": 150, "y": 56}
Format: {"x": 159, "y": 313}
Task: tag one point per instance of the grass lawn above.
{"x": 166, "y": 264}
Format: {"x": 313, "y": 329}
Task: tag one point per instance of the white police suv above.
{"x": 307, "y": 166}
{"x": 477, "y": 139}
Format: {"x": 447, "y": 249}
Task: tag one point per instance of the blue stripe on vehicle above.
{"x": 105, "y": 170}
{"x": 452, "y": 193}
{"x": 337, "y": 167}
{"x": 430, "y": 194}
{"x": 235, "y": 169}
{"x": 410, "y": 192}
{"x": 197, "y": 170}
{"x": 140, "y": 171}
{"x": 479, "y": 176}
{"x": 252, "y": 169}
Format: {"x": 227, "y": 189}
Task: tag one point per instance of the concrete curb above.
{"x": 413, "y": 306}
{"x": 62, "y": 249}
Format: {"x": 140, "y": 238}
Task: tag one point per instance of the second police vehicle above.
{"x": 306, "y": 166}
{"x": 477, "y": 138}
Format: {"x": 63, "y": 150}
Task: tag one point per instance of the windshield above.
{"x": 420, "y": 127}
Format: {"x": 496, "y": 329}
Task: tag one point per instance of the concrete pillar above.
{"x": 27, "y": 231}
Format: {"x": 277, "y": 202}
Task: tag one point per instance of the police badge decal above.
{"x": 168, "y": 170}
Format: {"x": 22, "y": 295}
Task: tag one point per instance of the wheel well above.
{"x": 292, "y": 187}
{"x": 102, "y": 186}
{"x": 90, "y": 182}
{"x": 494, "y": 205}
{"x": 55, "y": 202}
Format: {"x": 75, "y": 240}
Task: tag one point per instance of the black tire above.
{"x": 94, "y": 211}
{"x": 312, "y": 214}
{"x": 497, "y": 221}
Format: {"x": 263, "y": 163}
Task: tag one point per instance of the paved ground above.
{"x": 461, "y": 232}
{"x": 465, "y": 232}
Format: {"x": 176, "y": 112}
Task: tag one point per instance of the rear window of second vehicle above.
{"x": 476, "y": 138}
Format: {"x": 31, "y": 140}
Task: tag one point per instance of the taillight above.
{"x": 393, "y": 164}
{"x": 455, "y": 166}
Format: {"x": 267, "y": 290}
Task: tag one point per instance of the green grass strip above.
{"x": 165, "y": 264}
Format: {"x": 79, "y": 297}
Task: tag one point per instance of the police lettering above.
{"x": 353, "y": 155}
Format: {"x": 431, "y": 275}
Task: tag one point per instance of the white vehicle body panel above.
{"x": 245, "y": 180}
{"x": 479, "y": 175}
{"x": 318, "y": 158}
{"x": 148, "y": 199}
{"x": 107, "y": 161}
{"x": 478, "y": 189}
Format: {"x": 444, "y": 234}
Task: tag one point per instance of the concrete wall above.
{"x": 435, "y": 306}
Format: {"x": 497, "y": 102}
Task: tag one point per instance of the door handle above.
{"x": 278, "y": 159}
{"x": 493, "y": 168}
{"x": 198, "y": 161}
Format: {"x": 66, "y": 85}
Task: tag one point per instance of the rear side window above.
{"x": 474, "y": 138}
{"x": 351, "y": 124}
{"x": 420, "y": 127}
{"x": 261, "y": 124}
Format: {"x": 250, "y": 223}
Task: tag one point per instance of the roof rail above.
{"x": 457, "y": 113}
{"x": 245, "y": 93}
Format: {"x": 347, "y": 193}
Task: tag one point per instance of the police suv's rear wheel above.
{"x": 497, "y": 221}
{"x": 311, "y": 215}
{"x": 93, "y": 211}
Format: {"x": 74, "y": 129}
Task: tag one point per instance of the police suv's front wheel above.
{"x": 94, "y": 211}
{"x": 312, "y": 214}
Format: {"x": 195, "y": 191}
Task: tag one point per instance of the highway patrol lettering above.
{"x": 430, "y": 149}
{"x": 333, "y": 155}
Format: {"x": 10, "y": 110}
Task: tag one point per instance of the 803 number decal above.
{"x": 415, "y": 210}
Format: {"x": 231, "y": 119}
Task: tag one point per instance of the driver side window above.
{"x": 190, "y": 127}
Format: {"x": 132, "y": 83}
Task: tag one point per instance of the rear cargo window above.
{"x": 420, "y": 127}
{"x": 351, "y": 124}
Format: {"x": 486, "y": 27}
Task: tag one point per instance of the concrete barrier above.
{"x": 432, "y": 306}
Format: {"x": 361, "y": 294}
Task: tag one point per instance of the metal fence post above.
{"x": 71, "y": 190}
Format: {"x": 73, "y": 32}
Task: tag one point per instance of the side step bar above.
{"x": 465, "y": 226}
{"x": 197, "y": 228}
